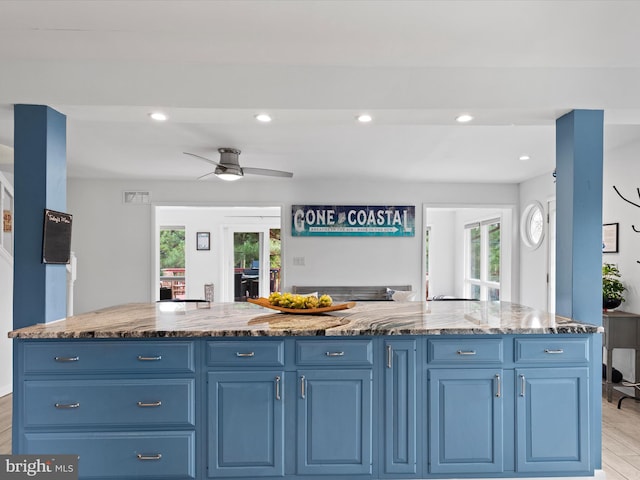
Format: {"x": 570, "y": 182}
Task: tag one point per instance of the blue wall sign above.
{"x": 353, "y": 220}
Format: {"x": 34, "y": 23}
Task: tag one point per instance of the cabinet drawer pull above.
{"x": 466, "y": 352}
{"x": 334, "y": 354}
{"x": 150, "y": 404}
{"x": 67, "y": 405}
{"x": 302, "y": 387}
{"x": 523, "y": 384}
{"x": 142, "y": 358}
{"x": 277, "y": 387}
{"x": 67, "y": 359}
{"x": 389, "y": 356}
{"x": 550, "y": 351}
{"x": 248, "y": 354}
{"x": 498, "y": 386}
{"x": 156, "y": 456}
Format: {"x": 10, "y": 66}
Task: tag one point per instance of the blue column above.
{"x": 579, "y": 145}
{"x": 40, "y": 170}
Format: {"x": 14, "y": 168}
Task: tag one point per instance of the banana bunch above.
{"x": 289, "y": 300}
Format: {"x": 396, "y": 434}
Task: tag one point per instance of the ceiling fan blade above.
{"x": 202, "y": 158}
{"x": 205, "y": 175}
{"x": 267, "y": 171}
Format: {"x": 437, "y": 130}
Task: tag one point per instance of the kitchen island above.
{"x": 382, "y": 390}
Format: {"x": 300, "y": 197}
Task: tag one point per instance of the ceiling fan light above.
{"x": 229, "y": 177}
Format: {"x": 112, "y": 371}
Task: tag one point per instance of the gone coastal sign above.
{"x": 353, "y": 220}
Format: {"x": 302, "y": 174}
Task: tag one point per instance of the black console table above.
{"x": 621, "y": 330}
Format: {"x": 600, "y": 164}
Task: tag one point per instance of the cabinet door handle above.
{"x": 67, "y": 405}
{"x": 67, "y": 359}
{"x": 248, "y": 354}
{"x": 334, "y": 354}
{"x": 303, "y": 393}
{"x": 155, "y": 456}
{"x": 466, "y": 352}
{"x": 150, "y": 404}
{"x": 554, "y": 352}
{"x": 277, "y": 387}
{"x": 389, "y": 356}
{"x": 523, "y": 384}
{"x": 498, "y": 386}
{"x": 142, "y": 358}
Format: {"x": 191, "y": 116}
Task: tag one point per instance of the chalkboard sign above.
{"x": 56, "y": 245}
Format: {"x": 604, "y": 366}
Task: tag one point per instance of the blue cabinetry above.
{"x": 304, "y": 407}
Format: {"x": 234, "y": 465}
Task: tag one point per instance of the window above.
{"x": 172, "y": 263}
{"x": 482, "y": 260}
{"x": 532, "y": 227}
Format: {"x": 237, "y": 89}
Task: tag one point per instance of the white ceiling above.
{"x": 314, "y": 65}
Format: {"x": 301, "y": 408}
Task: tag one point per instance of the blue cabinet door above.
{"x": 245, "y": 424}
{"x": 334, "y": 422}
{"x": 399, "y": 433}
{"x": 552, "y": 419}
{"x": 466, "y": 421}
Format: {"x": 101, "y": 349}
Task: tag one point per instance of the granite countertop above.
{"x": 366, "y": 318}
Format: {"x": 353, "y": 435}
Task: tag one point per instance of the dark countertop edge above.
{"x": 568, "y": 330}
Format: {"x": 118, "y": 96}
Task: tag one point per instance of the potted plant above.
{"x": 612, "y": 287}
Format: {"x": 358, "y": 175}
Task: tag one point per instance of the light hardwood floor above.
{"x": 620, "y": 437}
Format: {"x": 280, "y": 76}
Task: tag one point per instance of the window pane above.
{"x": 475, "y": 292}
{"x": 474, "y": 252}
{"x": 172, "y": 273}
{"x": 494, "y": 252}
{"x": 494, "y": 294}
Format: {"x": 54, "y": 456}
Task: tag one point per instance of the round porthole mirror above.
{"x": 532, "y": 226}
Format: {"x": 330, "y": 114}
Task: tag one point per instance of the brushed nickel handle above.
{"x": 334, "y": 354}
{"x": 155, "y": 456}
{"x": 523, "y": 384}
{"x": 498, "y": 386}
{"x": 555, "y": 352}
{"x": 142, "y": 358}
{"x": 151, "y": 404}
{"x": 389, "y": 356}
{"x": 277, "y": 387}
{"x": 303, "y": 393}
{"x": 466, "y": 352}
{"x": 67, "y": 405}
{"x": 248, "y": 354}
{"x": 67, "y": 359}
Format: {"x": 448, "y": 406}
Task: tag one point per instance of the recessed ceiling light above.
{"x": 464, "y": 118}
{"x": 524, "y": 158}
{"x": 158, "y": 116}
{"x": 364, "y": 118}
{"x": 263, "y": 117}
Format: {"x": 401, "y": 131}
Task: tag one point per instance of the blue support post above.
{"x": 579, "y": 165}
{"x": 40, "y": 169}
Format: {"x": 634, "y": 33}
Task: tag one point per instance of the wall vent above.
{"x": 136, "y": 197}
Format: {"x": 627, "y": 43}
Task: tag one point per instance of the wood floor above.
{"x": 620, "y": 437}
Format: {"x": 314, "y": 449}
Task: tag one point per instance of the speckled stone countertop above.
{"x": 366, "y": 318}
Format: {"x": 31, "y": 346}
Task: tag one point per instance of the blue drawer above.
{"x": 551, "y": 350}
{"x": 245, "y": 353}
{"x": 472, "y": 351}
{"x": 334, "y": 352}
{"x": 105, "y": 357}
{"x": 166, "y": 455}
{"x": 114, "y": 403}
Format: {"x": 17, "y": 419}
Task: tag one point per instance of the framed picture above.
{"x": 610, "y": 238}
{"x": 203, "y": 241}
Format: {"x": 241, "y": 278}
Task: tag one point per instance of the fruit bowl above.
{"x": 264, "y": 302}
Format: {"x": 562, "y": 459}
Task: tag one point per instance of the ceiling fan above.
{"x": 229, "y": 167}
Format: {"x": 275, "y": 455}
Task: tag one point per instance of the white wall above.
{"x": 113, "y": 241}
{"x": 6, "y": 313}
{"x": 533, "y": 263}
{"x": 622, "y": 169}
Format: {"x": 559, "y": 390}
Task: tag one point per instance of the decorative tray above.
{"x": 264, "y": 302}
